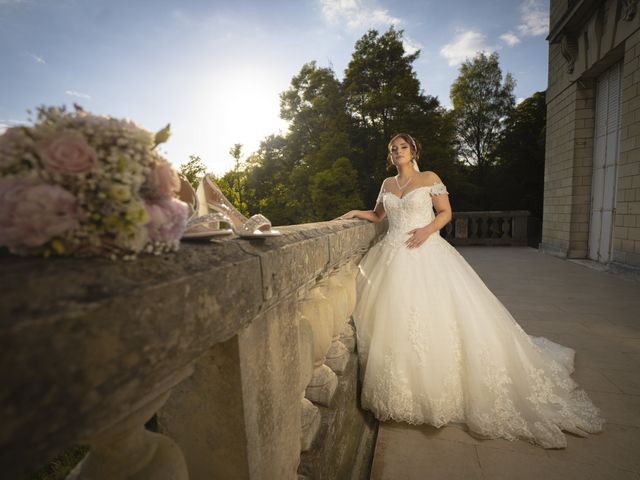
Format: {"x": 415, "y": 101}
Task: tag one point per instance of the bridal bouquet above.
{"x": 82, "y": 185}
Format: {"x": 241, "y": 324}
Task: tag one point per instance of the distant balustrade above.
{"x": 487, "y": 228}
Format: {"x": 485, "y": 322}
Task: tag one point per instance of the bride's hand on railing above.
{"x": 350, "y": 214}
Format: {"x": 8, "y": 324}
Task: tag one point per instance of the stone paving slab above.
{"x": 594, "y": 312}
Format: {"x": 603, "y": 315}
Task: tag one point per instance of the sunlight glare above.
{"x": 242, "y": 107}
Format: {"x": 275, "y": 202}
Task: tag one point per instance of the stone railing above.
{"x": 487, "y": 228}
{"x": 242, "y": 350}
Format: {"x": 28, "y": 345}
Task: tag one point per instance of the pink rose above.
{"x": 67, "y": 152}
{"x": 33, "y": 212}
{"x": 163, "y": 180}
{"x": 12, "y": 138}
{"x": 167, "y": 219}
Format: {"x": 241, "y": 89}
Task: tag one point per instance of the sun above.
{"x": 240, "y": 106}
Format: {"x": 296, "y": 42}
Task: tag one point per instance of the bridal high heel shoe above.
{"x": 207, "y": 226}
{"x": 201, "y": 226}
{"x": 211, "y": 199}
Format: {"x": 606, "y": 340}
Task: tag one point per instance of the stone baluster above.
{"x": 338, "y": 354}
{"x": 127, "y": 450}
{"x": 318, "y": 312}
{"x": 461, "y": 228}
{"x": 506, "y": 227}
{"x": 484, "y": 231}
{"x": 347, "y": 277}
{"x": 494, "y": 226}
{"x": 310, "y": 420}
{"x": 449, "y": 229}
{"x": 475, "y": 229}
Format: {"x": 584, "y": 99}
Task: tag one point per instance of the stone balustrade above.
{"x": 487, "y": 228}
{"x": 242, "y": 349}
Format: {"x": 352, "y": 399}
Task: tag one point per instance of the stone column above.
{"x": 239, "y": 415}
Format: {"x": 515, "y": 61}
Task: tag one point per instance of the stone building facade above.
{"x": 592, "y": 166}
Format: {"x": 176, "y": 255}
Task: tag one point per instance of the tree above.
{"x": 481, "y": 102}
{"x": 268, "y": 189}
{"x": 317, "y": 145}
{"x": 383, "y": 97}
{"x": 517, "y": 182}
{"x": 236, "y": 153}
{"x": 193, "y": 170}
{"x": 380, "y": 83}
{"x": 335, "y": 190}
{"x": 314, "y": 105}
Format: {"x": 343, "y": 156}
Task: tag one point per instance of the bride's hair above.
{"x": 415, "y": 148}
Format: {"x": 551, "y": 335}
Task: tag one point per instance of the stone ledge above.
{"x": 83, "y": 340}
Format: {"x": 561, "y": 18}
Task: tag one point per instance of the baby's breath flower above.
{"x": 120, "y": 193}
{"x": 137, "y": 214}
{"x": 111, "y": 223}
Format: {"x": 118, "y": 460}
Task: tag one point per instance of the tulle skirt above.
{"x": 435, "y": 346}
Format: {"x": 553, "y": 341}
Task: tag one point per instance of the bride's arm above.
{"x": 376, "y": 215}
{"x": 444, "y": 215}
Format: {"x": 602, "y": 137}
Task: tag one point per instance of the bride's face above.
{"x": 401, "y": 151}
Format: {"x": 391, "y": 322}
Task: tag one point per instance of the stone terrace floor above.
{"x": 594, "y": 312}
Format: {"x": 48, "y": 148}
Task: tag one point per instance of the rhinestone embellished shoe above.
{"x": 201, "y": 226}
{"x": 211, "y": 199}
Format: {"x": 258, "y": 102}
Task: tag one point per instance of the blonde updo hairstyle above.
{"x": 413, "y": 145}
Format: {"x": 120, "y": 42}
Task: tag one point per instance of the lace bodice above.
{"x": 413, "y": 210}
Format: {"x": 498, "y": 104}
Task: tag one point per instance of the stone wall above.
{"x": 626, "y": 235}
{"x": 249, "y": 341}
{"x": 567, "y": 177}
{"x": 583, "y": 43}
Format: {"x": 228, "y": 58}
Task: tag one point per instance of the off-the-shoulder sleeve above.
{"x": 382, "y": 190}
{"x": 438, "y": 189}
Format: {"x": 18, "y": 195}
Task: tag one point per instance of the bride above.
{"x": 435, "y": 345}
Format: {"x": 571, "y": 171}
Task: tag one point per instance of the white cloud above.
{"x": 36, "y": 58}
{"x": 510, "y": 39}
{"x": 357, "y": 14}
{"x": 5, "y": 124}
{"x": 535, "y": 18}
{"x": 519, "y": 100}
{"x": 77, "y": 94}
{"x": 410, "y": 45}
{"x": 464, "y": 45}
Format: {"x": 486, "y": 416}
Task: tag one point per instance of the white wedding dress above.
{"x": 435, "y": 345}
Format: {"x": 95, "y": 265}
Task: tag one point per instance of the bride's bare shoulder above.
{"x": 429, "y": 178}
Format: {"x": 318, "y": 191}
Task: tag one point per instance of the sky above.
{"x": 215, "y": 69}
